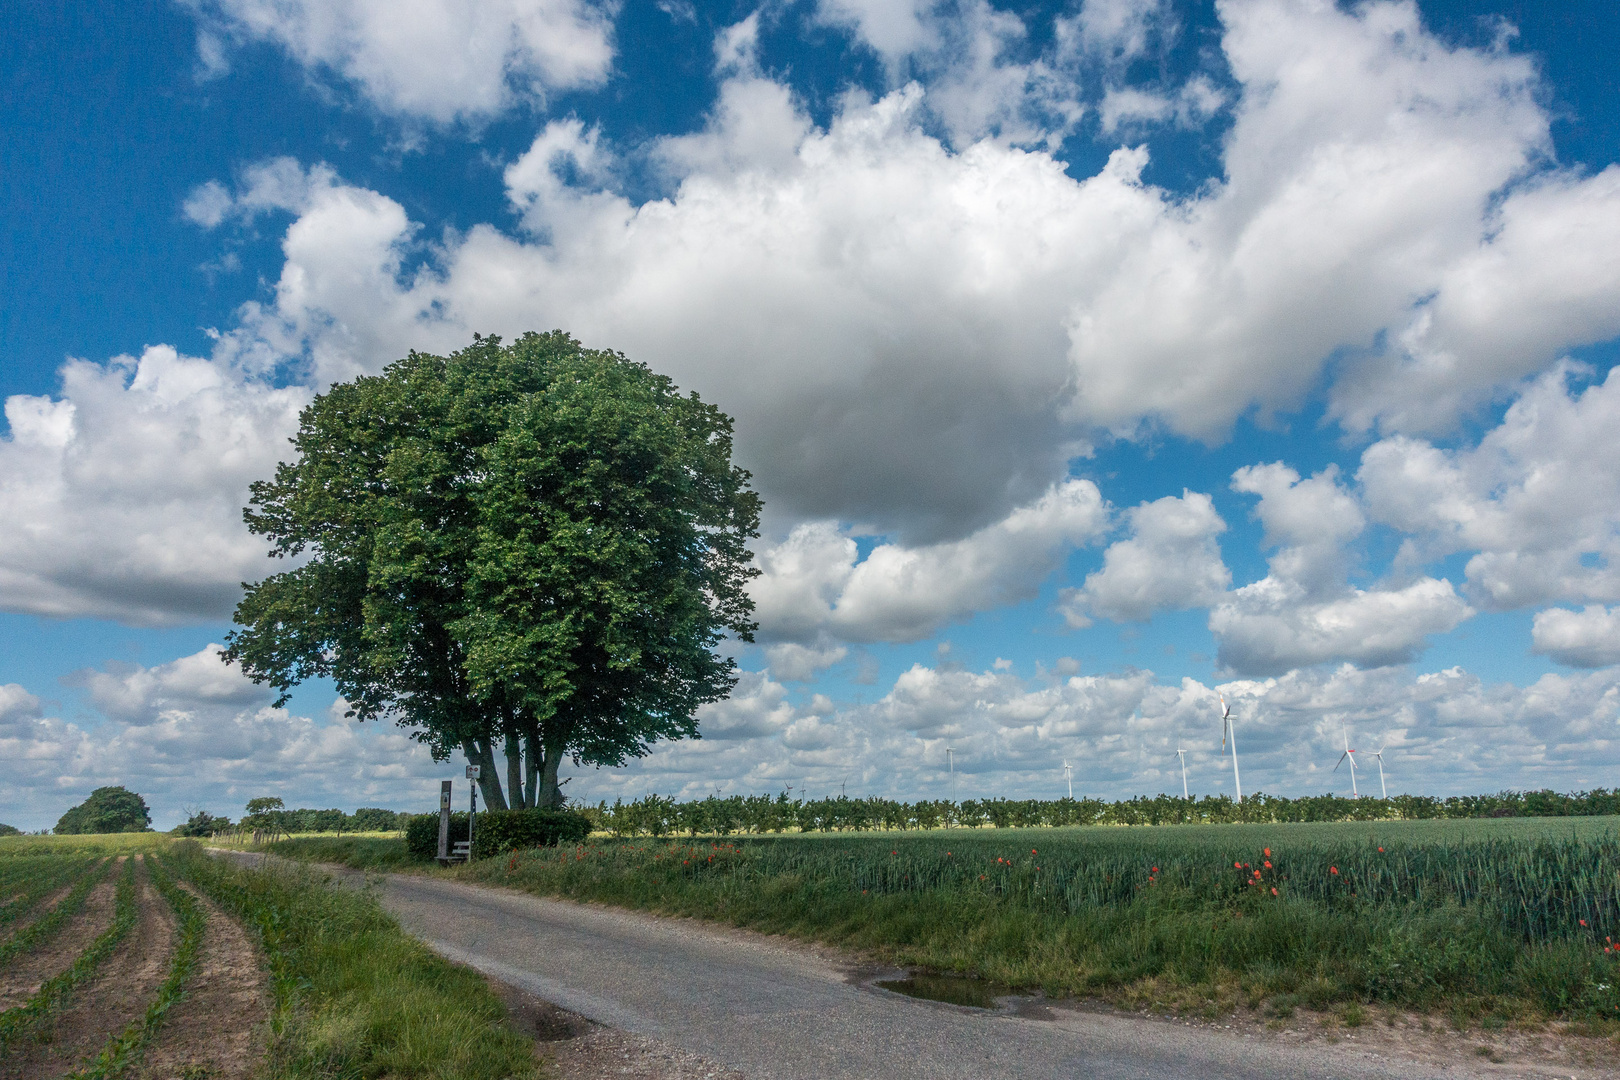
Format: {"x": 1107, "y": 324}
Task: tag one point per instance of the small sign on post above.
{"x": 444, "y": 820}
{"x": 473, "y": 772}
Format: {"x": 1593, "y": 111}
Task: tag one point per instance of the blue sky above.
{"x": 1093, "y": 358}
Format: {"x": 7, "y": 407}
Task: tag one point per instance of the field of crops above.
{"x": 1506, "y": 917}
{"x": 133, "y": 955}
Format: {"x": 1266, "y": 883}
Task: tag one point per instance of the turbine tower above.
{"x": 1182, "y": 754}
{"x": 1229, "y": 731}
{"x": 1379, "y": 754}
{"x": 1350, "y": 756}
{"x": 950, "y": 760}
{"x": 1068, "y": 772}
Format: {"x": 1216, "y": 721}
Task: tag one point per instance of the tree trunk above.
{"x": 550, "y": 795}
{"x": 489, "y": 781}
{"x": 531, "y": 739}
{"x": 514, "y": 772}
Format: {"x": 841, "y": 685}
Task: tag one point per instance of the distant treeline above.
{"x": 365, "y": 819}
{"x": 656, "y": 815}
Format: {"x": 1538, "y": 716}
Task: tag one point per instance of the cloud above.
{"x": 193, "y": 732}
{"x": 435, "y": 60}
{"x": 201, "y": 682}
{"x": 1271, "y": 627}
{"x": 16, "y": 704}
{"x": 917, "y": 336}
{"x": 1118, "y": 31}
{"x": 966, "y": 316}
{"x": 1543, "y": 279}
{"x": 792, "y": 662}
{"x": 1171, "y": 561}
{"x": 1303, "y": 612}
{"x": 1537, "y": 497}
{"x": 814, "y": 585}
{"x": 122, "y": 496}
{"x": 1589, "y": 638}
{"x": 1445, "y": 732}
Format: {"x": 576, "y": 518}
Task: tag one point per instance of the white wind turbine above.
{"x": 1350, "y": 756}
{"x": 1068, "y": 772}
{"x": 1379, "y": 754}
{"x": 1229, "y": 730}
{"x": 1182, "y": 754}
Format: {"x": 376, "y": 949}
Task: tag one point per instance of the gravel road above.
{"x": 775, "y": 1011}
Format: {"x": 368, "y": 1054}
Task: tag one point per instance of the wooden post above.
{"x": 444, "y": 820}
{"x": 473, "y": 772}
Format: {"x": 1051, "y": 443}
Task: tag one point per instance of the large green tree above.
{"x": 532, "y": 549}
{"x": 107, "y": 810}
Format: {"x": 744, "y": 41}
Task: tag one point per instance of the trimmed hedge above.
{"x": 512, "y": 830}
{"x": 498, "y": 831}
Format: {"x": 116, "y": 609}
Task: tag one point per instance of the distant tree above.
{"x": 107, "y": 810}
{"x": 10, "y": 830}
{"x": 533, "y": 547}
{"x": 375, "y": 819}
{"x": 264, "y": 804}
{"x": 201, "y": 823}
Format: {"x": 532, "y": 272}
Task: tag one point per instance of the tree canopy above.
{"x": 107, "y": 810}
{"x": 534, "y": 547}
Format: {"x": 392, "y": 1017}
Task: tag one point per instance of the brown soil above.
{"x": 119, "y": 994}
{"x": 573, "y": 1048}
{"x": 219, "y": 1030}
{"x": 22, "y": 977}
{"x": 28, "y": 918}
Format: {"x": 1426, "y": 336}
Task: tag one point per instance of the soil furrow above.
{"x": 220, "y": 1029}
{"x": 21, "y": 978}
{"x": 119, "y": 994}
{"x": 45, "y": 904}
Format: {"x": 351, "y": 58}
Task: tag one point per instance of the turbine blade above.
{"x": 1341, "y": 761}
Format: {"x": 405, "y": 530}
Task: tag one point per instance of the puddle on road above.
{"x": 953, "y": 989}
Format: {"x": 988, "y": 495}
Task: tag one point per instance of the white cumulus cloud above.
{"x": 1171, "y": 561}
{"x": 122, "y": 496}
{"x": 814, "y": 584}
{"x": 1589, "y": 638}
{"x": 433, "y": 60}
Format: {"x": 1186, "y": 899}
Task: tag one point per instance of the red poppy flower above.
{"x": 1274, "y": 890}
{"x": 1333, "y": 869}
{"x": 1268, "y": 853}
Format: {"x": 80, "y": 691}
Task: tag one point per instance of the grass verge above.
{"x": 1145, "y": 919}
{"x": 353, "y": 995}
{"x": 54, "y": 991}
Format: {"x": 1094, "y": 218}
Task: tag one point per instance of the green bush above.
{"x": 513, "y": 830}
{"x": 9, "y": 830}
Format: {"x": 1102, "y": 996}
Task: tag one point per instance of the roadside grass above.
{"x": 353, "y": 995}
{"x": 1472, "y": 922}
{"x": 381, "y": 852}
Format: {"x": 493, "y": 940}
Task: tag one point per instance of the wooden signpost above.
{"x": 473, "y": 772}
{"x": 444, "y": 821}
